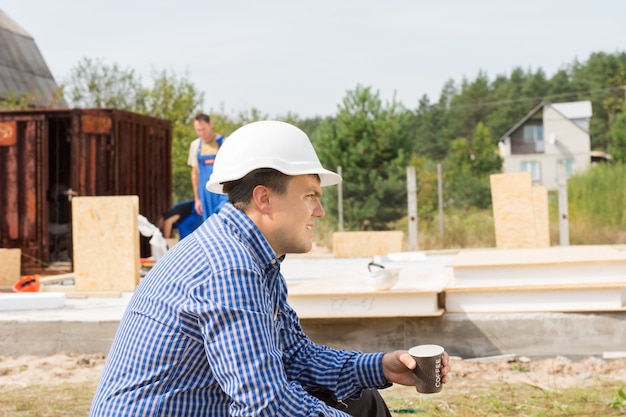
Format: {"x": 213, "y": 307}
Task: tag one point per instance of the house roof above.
{"x": 574, "y": 110}
{"x": 521, "y": 122}
{"x": 10, "y": 25}
{"x": 22, "y": 67}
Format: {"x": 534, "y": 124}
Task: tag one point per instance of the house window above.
{"x": 533, "y": 134}
{"x": 569, "y": 166}
{"x": 533, "y": 168}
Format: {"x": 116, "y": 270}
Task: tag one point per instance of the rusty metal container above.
{"x": 47, "y": 156}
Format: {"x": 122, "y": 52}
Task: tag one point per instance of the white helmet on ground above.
{"x": 267, "y": 144}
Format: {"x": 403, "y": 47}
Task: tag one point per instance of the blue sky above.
{"x": 303, "y": 56}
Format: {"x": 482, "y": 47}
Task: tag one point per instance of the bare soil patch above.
{"x": 551, "y": 373}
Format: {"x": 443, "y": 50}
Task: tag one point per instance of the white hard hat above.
{"x": 267, "y": 144}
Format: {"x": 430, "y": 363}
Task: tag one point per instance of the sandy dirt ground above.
{"x": 551, "y": 373}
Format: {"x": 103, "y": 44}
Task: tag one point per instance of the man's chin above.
{"x": 302, "y": 249}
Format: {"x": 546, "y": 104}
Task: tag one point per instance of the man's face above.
{"x": 203, "y": 130}
{"x": 293, "y": 215}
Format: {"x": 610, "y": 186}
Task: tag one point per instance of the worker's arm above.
{"x": 195, "y": 174}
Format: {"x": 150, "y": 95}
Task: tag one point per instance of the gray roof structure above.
{"x": 578, "y": 112}
{"x": 23, "y": 70}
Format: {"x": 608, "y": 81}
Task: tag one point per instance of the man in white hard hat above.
{"x": 209, "y": 331}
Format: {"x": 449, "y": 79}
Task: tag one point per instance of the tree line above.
{"x": 374, "y": 141}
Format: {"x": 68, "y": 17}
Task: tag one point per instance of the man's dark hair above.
{"x": 240, "y": 191}
{"x": 202, "y": 117}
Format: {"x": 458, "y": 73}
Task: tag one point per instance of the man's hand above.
{"x": 398, "y": 367}
{"x": 195, "y": 175}
{"x": 198, "y": 206}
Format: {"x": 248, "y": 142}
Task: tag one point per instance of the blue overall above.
{"x": 188, "y": 220}
{"x": 211, "y": 202}
{"x": 188, "y": 224}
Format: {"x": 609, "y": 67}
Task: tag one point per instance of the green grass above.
{"x": 475, "y": 229}
{"x": 602, "y": 398}
{"x": 62, "y": 400}
{"x": 596, "y": 209}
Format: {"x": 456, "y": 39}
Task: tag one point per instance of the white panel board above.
{"x": 547, "y": 300}
{"x": 349, "y": 296}
{"x": 31, "y": 301}
{"x": 388, "y": 304}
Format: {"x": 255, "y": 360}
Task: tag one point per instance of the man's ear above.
{"x": 261, "y": 198}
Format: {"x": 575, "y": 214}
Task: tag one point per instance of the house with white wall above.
{"x": 552, "y": 139}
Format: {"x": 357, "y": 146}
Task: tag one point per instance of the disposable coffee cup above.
{"x": 428, "y": 370}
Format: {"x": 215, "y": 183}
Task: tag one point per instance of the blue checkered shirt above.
{"x": 209, "y": 332}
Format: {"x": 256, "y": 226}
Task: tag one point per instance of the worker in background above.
{"x": 202, "y": 152}
{"x": 181, "y": 216}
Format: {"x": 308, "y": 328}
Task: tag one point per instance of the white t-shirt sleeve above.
{"x": 192, "y": 160}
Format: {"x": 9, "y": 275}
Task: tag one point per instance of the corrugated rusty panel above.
{"x": 9, "y": 155}
{"x": 144, "y": 148}
{"x": 94, "y": 152}
{"x": 93, "y": 156}
{"x": 22, "y": 196}
{"x": 116, "y": 154}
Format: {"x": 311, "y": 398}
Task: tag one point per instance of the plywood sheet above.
{"x": 106, "y": 243}
{"x": 515, "y": 207}
{"x": 366, "y": 244}
{"x": 9, "y": 266}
